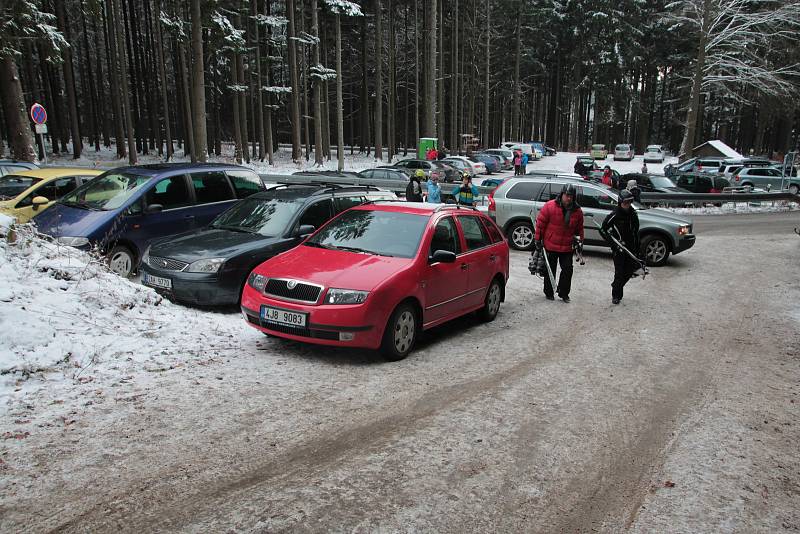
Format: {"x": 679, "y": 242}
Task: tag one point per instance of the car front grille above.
{"x": 166, "y": 264}
{"x": 301, "y": 292}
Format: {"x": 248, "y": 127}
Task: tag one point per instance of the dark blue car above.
{"x": 121, "y": 211}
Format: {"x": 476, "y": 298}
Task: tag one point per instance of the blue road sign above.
{"x": 38, "y": 114}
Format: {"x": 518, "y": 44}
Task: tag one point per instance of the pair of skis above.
{"x": 577, "y": 248}
{"x": 643, "y": 271}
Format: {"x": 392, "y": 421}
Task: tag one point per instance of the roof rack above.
{"x": 454, "y": 207}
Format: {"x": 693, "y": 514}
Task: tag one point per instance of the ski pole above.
{"x": 625, "y": 249}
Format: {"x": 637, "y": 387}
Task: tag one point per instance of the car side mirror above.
{"x": 153, "y": 208}
{"x": 443, "y": 256}
{"x": 39, "y": 201}
{"x": 305, "y": 230}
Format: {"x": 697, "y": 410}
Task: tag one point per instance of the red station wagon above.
{"x": 379, "y": 274}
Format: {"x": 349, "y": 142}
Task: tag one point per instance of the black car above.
{"x": 210, "y": 266}
{"x": 702, "y": 183}
{"x": 651, "y": 183}
{"x": 549, "y": 151}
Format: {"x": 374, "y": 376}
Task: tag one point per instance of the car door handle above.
{"x": 464, "y": 266}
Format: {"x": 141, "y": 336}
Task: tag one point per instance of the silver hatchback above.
{"x": 516, "y": 202}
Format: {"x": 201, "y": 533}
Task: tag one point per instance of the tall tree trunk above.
{"x": 485, "y": 139}
{"x": 454, "y": 133}
{"x": 20, "y": 138}
{"x": 339, "y": 104}
{"x": 429, "y": 111}
{"x": 417, "y": 126}
{"x": 378, "y": 80}
{"x": 188, "y": 130}
{"x": 69, "y": 82}
{"x": 303, "y": 66}
{"x": 103, "y": 115}
{"x": 295, "y": 82}
{"x": 123, "y": 74}
{"x": 162, "y": 72}
{"x": 687, "y": 146}
{"x": 365, "y": 129}
{"x": 391, "y": 127}
{"x": 317, "y": 82}
{"x": 254, "y": 12}
{"x": 439, "y": 76}
{"x": 198, "y": 85}
{"x": 326, "y": 98}
{"x": 237, "y": 109}
{"x": 268, "y": 113}
{"x": 242, "y": 95}
{"x": 114, "y": 80}
{"x": 515, "y": 111}
{"x": 93, "y": 99}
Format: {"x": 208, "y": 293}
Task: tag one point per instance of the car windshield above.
{"x": 106, "y": 192}
{"x": 623, "y": 147}
{"x": 12, "y": 185}
{"x": 598, "y": 147}
{"x": 382, "y": 233}
{"x": 265, "y": 216}
{"x": 661, "y": 181}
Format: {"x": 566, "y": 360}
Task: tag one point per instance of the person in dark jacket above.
{"x": 466, "y": 193}
{"x": 557, "y": 224}
{"x": 414, "y": 187}
{"x": 622, "y": 223}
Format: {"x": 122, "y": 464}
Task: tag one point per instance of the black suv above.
{"x": 210, "y": 266}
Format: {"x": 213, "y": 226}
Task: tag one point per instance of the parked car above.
{"x": 588, "y": 162}
{"x": 702, "y": 183}
{"x": 768, "y": 178}
{"x": 492, "y": 162}
{"x": 599, "y": 152}
{"x": 515, "y": 204}
{"x": 729, "y": 167}
{"x": 378, "y": 275}
{"x": 549, "y": 151}
{"x": 329, "y": 174}
{"x": 473, "y": 167}
{"x": 710, "y": 165}
{"x": 623, "y": 152}
{"x": 210, "y": 266}
{"x": 441, "y": 169}
{"x": 10, "y": 166}
{"x": 28, "y": 193}
{"x": 121, "y": 211}
{"x": 596, "y": 175}
{"x": 655, "y": 183}
{"x": 506, "y": 155}
{"x": 492, "y": 182}
{"x": 526, "y": 148}
{"x": 538, "y": 150}
{"x": 653, "y": 154}
{"x": 386, "y": 173}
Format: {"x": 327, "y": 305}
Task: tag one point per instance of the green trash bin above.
{"x": 425, "y": 144}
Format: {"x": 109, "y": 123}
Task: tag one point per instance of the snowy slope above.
{"x": 62, "y": 312}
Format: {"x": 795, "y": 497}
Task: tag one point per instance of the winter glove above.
{"x": 539, "y": 245}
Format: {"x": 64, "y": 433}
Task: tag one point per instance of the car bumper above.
{"x": 203, "y": 289}
{"x": 685, "y": 243}
{"x": 333, "y": 325}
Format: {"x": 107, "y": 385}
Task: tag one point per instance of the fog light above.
{"x": 346, "y": 336}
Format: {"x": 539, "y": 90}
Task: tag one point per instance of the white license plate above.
{"x": 156, "y": 281}
{"x": 275, "y": 315}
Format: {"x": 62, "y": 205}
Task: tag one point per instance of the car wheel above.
{"x": 400, "y": 334}
{"x": 121, "y": 261}
{"x": 491, "y": 304}
{"x": 520, "y": 235}
{"x": 656, "y": 250}
{"x": 793, "y": 189}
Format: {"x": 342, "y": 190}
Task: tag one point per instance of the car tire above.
{"x": 520, "y": 235}
{"x": 656, "y": 249}
{"x": 121, "y": 261}
{"x": 400, "y": 334}
{"x": 491, "y": 304}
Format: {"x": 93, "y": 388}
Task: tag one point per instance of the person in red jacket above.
{"x": 558, "y": 222}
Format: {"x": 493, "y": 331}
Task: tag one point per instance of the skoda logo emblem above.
{"x": 164, "y": 262}
{"x": 291, "y": 284}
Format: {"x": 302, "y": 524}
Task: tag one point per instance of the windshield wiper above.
{"x": 355, "y": 249}
{"x": 241, "y": 229}
{"x": 317, "y": 245}
{"x": 80, "y": 205}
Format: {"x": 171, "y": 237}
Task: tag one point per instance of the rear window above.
{"x": 12, "y": 185}
{"x": 598, "y": 147}
{"x": 245, "y": 183}
{"x": 623, "y": 147}
{"x": 525, "y": 191}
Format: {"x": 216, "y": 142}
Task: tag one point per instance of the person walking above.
{"x": 644, "y": 167}
{"x": 466, "y": 193}
{"x": 622, "y": 223}
{"x": 517, "y": 162}
{"x": 523, "y": 169}
{"x": 414, "y": 187}
{"x": 558, "y": 222}
{"x": 433, "y": 193}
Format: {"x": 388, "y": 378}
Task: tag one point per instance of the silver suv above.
{"x": 765, "y": 178}
{"x": 516, "y": 202}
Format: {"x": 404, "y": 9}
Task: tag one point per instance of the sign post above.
{"x": 39, "y": 116}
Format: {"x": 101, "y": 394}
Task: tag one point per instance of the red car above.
{"x": 379, "y": 274}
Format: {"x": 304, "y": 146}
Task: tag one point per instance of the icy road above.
{"x": 676, "y": 411}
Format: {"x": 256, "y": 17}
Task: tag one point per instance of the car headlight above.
{"x": 345, "y": 296}
{"x": 209, "y": 265}
{"x": 72, "y": 241}
{"x": 683, "y": 230}
{"x": 257, "y": 282}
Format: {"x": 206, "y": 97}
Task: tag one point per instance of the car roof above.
{"x": 48, "y": 173}
{"x": 414, "y": 208}
{"x": 163, "y": 169}
{"x": 298, "y": 191}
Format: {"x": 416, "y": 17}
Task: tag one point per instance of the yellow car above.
{"x": 599, "y": 152}
{"x": 25, "y": 194}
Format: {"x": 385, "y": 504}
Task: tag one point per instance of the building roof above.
{"x": 722, "y": 148}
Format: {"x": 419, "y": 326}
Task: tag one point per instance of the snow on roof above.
{"x": 724, "y": 149}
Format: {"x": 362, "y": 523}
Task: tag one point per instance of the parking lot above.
{"x": 675, "y": 411}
